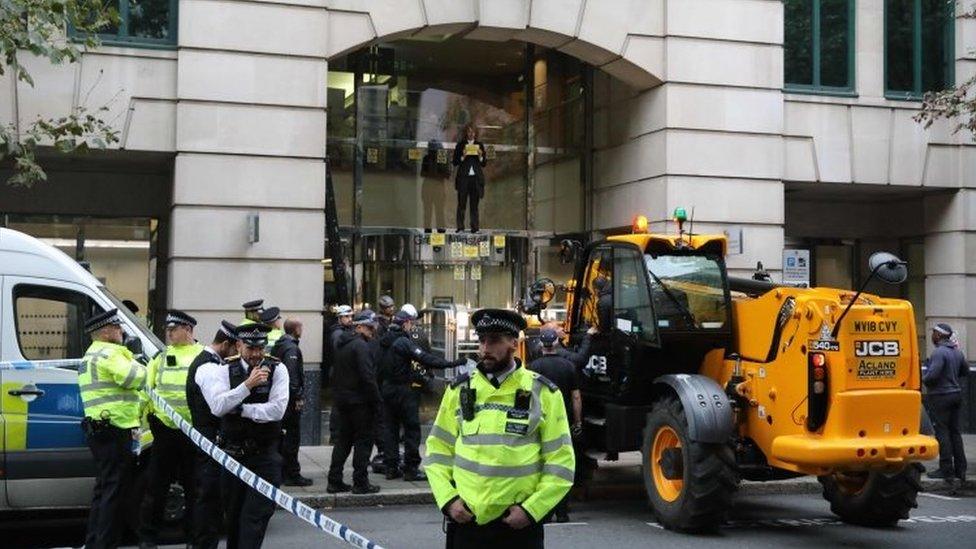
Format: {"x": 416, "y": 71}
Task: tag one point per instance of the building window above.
{"x": 819, "y": 46}
{"x": 143, "y": 23}
{"x": 918, "y": 47}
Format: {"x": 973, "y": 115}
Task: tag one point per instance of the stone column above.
{"x": 250, "y": 140}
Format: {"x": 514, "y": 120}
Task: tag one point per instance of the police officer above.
{"x": 252, "y": 311}
{"x": 500, "y": 455}
{"x": 109, "y": 380}
{"x": 383, "y": 321}
{"x": 172, "y": 451}
{"x": 271, "y": 317}
{"x": 290, "y": 354}
{"x": 343, "y": 324}
{"x": 249, "y": 394}
{"x": 400, "y": 385}
{"x": 207, "y": 511}
{"x": 357, "y": 397}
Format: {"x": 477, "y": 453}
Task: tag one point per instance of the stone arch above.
{"x": 625, "y": 40}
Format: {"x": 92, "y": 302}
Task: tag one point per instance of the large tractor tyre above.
{"x": 873, "y": 499}
{"x": 689, "y": 484}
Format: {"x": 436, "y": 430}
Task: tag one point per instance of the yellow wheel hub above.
{"x": 666, "y": 438}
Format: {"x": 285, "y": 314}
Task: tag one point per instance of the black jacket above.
{"x": 286, "y": 350}
{"x": 579, "y": 357}
{"x": 396, "y": 353}
{"x": 944, "y": 369}
{"x": 354, "y": 375}
{"x": 465, "y": 163}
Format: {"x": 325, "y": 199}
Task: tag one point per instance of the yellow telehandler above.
{"x": 716, "y": 379}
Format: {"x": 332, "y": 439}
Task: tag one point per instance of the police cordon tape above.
{"x": 285, "y": 501}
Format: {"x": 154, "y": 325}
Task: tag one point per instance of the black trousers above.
{"x": 944, "y": 410}
{"x": 114, "y": 472}
{"x": 208, "y": 511}
{"x": 401, "y": 404}
{"x": 173, "y": 456}
{"x": 468, "y": 193}
{"x": 355, "y": 434}
{"x": 248, "y": 512}
{"x": 494, "y": 535}
{"x": 290, "y": 440}
{"x": 379, "y": 433}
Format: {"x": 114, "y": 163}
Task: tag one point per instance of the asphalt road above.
{"x": 758, "y": 521}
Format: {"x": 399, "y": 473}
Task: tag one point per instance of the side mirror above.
{"x": 888, "y": 267}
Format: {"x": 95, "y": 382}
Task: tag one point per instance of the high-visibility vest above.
{"x": 273, "y": 336}
{"x": 109, "y": 380}
{"x": 506, "y": 454}
{"x": 246, "y": 321}
{"x": 169, "y": 380}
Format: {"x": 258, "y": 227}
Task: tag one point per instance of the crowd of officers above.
{"x": 244, "y": 391}
{"x": 500, "y": 456}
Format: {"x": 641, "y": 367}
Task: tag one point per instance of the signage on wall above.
{"x": 734, "y": 236}
{"x": 490, "y": 152}
{"x": 437, "y": 239}
{"x": 415, "y": 154}
{"x": 470, "y": 251}
{"x": 441, "y": 156}
{"x": 796, "y": 267}
{"x": 372, "y": 155}
{"x": 459, "y": 272}
{"x": 457, "y": 250}
{"x": 475, "y": 271}
{"x": 484, "y": 248}
{"x": 499, "y": 241}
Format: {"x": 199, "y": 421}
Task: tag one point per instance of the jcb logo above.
{"x": 877, "y": 348}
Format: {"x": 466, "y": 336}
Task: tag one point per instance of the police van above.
{"x": 45, "y": 299}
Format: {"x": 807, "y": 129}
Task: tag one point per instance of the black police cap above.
{"x": 252, "y": 335}
{"x": 102, "y": 320}
{"x": 228, "y": 329}
{"x": 270, "y": 315}
{"x": 253, "y": 305}
{"x": 498, "y": 321}
{"x": 174, "y": 318}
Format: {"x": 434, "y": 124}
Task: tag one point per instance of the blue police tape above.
{"x": 265, "y": 488}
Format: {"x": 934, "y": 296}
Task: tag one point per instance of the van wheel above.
{"x": 689, "y": 484}
{"x": 873, "y": 498}
{"x": 174, "y": 510}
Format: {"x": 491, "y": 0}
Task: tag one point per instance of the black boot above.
{"x": 367, "y": 489}
{"x": 414, "y": 475}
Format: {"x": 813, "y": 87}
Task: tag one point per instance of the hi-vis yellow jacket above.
{"x": 507, "y": 454}
{"x": 169, "y": 380}
{"x": 109, "y": 380}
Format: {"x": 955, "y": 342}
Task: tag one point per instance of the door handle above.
{"x": 26, "y": 392}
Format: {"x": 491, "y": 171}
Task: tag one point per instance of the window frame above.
{"x": 122, "y": 39}
{"x": 50, "y": 293}
{"x": 816, "y": 88}
{"x": 917, "y": 93}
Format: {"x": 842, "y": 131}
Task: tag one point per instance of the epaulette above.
{"x": 460, "y": 380}
{"x": 271, "y": 358}
{"x": 546, "y": 381}
{"x": 232, "y": 358}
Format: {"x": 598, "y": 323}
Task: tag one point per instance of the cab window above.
{"x": 50, "y": 322}
{"x": 688, "y": 292}
{"x": 632, "y": 309}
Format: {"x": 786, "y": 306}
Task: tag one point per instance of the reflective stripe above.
{"x": 440, "y": 433}
{"x": 97, "y": 385}
{"x": 503, "y": 471}
{"x": 564, "y": 473}
{"x": 170, "y": 387}
{"x": 127, "y": 397}
{"x": 556, "y": 443}
{"x": 494, "y": 406}
{"x": 499, "y": 440}
{"x": 438, "y": 459}
{"x": 131, "y": 376}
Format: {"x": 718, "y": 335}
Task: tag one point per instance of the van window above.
{"x": 50, "y": 322}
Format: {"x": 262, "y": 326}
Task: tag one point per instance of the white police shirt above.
{"x": 214, "y": 382}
